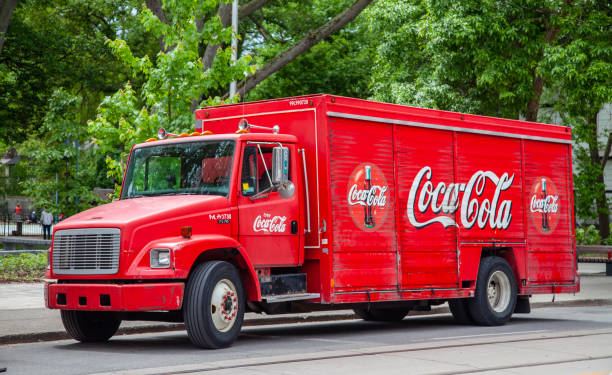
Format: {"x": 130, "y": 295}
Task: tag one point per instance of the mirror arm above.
{"x": 265, "y": 166}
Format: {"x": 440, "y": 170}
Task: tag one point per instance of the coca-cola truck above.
{"x": 322, "y": 202}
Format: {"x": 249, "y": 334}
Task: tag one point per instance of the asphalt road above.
{"x": 556, "y": 340}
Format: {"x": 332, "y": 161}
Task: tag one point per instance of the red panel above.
{"x": 130, "y": 297}
{"x": 359, "y": 270}
{"x": 469, "y": 262}
{"x": 364, "y": 244}
{"x": 550, "y": 244}
{"x": 428, "y": 249}
{"x": 495, "y": 213}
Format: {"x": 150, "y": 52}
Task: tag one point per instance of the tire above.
{"x": 382, "y": 315}
{"x": 90, "y": 326}
{"x": 460, "y": 311}
{"x": 214, "y": 305}
{"x": 495, "y": 297}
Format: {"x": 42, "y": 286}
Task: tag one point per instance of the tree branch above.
{"x": 310, "y": 40}
{"x": 251, "y": 7}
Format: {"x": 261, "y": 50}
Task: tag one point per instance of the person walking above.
{"x": 46, "y": 219}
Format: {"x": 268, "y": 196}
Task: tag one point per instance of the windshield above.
{"x": 180, "y": 168}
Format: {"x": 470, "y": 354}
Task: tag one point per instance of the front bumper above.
{"x": 115, "y": 297}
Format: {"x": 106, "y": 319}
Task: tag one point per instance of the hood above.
{"x": 132, "y": 211}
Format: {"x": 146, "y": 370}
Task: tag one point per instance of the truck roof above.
{"x": 193, "y": 137}
{"x": 366, "y": 110}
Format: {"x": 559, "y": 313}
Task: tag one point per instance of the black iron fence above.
{"x": 19, "y": 225}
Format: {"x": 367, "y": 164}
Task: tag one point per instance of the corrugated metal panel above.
{"x": 499, "y": 156}
{"x": 428, "y": 253}
{"x": 550, "y": 255}
{"x": 364, "y": 258}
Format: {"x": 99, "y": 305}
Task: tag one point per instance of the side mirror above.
{"x": 280, "y": 165}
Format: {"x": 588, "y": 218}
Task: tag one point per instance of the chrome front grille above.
{"x": 90, "y": 251}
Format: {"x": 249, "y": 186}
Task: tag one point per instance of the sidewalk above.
{"x": 23, "y": 317}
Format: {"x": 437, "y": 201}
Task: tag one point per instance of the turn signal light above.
{"x": 186, "y": 232}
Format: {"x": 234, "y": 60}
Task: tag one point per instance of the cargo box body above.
{"x": 401, "y": 203}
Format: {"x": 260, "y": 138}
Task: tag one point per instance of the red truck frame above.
{"x": 322, "y": 202}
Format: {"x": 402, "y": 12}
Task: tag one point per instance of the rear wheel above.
{"x": 90, "y": 326}
{"x": 395, "y": 314}
{"x": 495, "y": 296}
{"x": 214, "y": 305}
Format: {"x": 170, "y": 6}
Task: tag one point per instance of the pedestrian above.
{"x": 18, "y": 212}
{"x": 33, "y": 217}
{"x": 46, "y": 219}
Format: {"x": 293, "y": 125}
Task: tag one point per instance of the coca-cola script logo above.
{"x": 443, "y": 200}
{"x": 544, "y": 205}
{"x": 270, "y": 224}
{"x": 368, "y": 197}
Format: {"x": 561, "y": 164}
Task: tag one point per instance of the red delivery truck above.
{"x": 321, "y": 202}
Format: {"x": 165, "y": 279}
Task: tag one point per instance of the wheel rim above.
{"x": 224, "y": 305}
{"x": 498, "y": 291}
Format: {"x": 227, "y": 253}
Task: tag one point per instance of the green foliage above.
{"x": 476, "y": 56}
{"x": 339, "y": 65}
{"x": 172, "y": 80}
{"x": 23, "y": 267}
{"x": 53, "y": 159}
{"x": 580, "y": 67}
{"x": 588, "y": 236}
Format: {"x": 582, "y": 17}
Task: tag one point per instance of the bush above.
{"x": 23, "y": 267}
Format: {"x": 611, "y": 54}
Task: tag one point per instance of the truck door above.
{"x": 268, "y": 223}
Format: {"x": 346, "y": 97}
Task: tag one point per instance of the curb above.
{"x": 170, "y": 327}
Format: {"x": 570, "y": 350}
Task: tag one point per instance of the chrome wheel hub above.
{"x": 224, "y": 305}
{"x": 498, "y": 291}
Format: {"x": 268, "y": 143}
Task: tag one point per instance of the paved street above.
{"x": 573, "y": 336}
{"x": 557, "y": 340}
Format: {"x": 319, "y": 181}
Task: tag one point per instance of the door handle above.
{"x": 294, "y": 227}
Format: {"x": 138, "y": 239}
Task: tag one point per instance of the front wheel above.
{"x": 214, "y": 305}
{"x": 90, "y": 326}
{"x": 495, "y": 296}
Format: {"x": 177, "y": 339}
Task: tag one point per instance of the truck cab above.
{"x": 200, "y": 222}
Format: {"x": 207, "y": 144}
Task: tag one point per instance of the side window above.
{"x": 254, "y": 178}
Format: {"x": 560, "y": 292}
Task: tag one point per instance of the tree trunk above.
{"x": 6, "y": 11}
{"x": 533, "y": 106}
{"x": 310, "y": 40}
{"x": 155, "y": 6}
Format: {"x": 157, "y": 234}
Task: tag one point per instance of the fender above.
{"x": 186, "y": 252}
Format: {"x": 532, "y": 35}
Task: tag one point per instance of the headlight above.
{"x": 160, "y": 258}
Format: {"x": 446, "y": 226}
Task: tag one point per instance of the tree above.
{"x": 340, "y": 64}
{"x": 171, "y": 80}
{"x": 580, "y": 70}
{"x": 56, "y": 163}
{"x": 478, "y": 56}
{"x": 62, "y": 45}
{"x": 312, "y": 38}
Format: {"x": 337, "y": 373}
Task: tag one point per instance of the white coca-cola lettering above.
{"x": 545, "y": 205}
{"x": 269, "y": 224}
{"x": 444, "y": 199}
{"x": 374, "y": 197}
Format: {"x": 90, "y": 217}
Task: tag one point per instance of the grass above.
{"x": 23, "y": 267}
